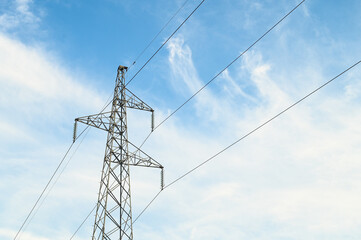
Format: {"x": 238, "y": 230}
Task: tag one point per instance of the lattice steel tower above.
{"x": 113, "y": 218}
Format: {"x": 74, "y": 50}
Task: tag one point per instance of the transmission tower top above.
{"x": 113, "y": 218}
{"x": 122, "y": 68}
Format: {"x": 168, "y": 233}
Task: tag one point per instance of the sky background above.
{"x": 296, "y": 178}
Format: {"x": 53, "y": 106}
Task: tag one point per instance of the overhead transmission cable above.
{"x": 107, "y": 104}
{"x": 42, "y": 193}
{"x": 83, "y": 222}
{"x": 182, "y": 6}
{"x": 52, "y": 177}
{"x": 56, "y": 180}
{"x": 177, "y": 109}
{"x": 244, "y": 136}
{"x": 204, "y": 86}
{"x": 156, "y": 36}
{"x": 228, "y": 147}
{"x": 155, "y": 53}
{"x": 218, "y": 74}
{"x": 160, "y": 31}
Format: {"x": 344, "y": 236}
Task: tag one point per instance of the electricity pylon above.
{"x": 113, "y": 218}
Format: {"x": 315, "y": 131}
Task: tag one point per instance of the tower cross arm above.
{"x": 141, "y": 159}
{"x": 101, "y": 120}
{"x": 132, "y": 101}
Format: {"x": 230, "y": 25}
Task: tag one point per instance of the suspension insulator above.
{"x": 152, "y": 123}
{"x": 74, "y": 130}
{"x": 162, "y": 179}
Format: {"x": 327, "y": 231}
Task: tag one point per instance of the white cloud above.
{"x": 180, "y": 59}
{"x": 39, "y": 100}
{"x": 292, "y": 175}
{"x": 268, "y": 90}
{"x": 19, "y": 14}
{"x": 233, "y": 88}
{"x": 34, "y": 81}
{"x": 9, "y": 234}
{"x": 295, "y": 178}
{"x": 185, "y": 77}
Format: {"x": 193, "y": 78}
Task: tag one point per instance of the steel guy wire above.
{"x": 155, "y": 53}
{"x": 218, "y": 74}
{"x": 246, "y": 135}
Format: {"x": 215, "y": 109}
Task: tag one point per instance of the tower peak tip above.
{"x": 121, "y": 68}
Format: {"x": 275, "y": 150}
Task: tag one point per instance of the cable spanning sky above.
{"x": 296, "y": 178}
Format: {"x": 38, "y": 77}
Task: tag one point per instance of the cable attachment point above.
{"x": 162, "y": 178}
{"x": 122, "y": 68}
{"x": 74, "y": 130}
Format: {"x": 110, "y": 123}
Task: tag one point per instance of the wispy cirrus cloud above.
{"x": 288, "y": 179}
{"x": 296, "y": 178}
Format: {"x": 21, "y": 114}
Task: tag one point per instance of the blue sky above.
{"x": 296, "y": 178}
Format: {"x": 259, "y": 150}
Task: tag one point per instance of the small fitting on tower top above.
{"x": 121, "y": 68}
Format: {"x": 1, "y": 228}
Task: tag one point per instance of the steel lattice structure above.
{"x": 113, "y": 218}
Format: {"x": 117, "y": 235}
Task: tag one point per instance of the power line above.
{"x": 254, "y": 43}
{"x": 245, "y": 136}
{"x": 155, "y": 53}
{"x": 51, "y": 178}
{"x": 57, "y": 179}
{"x": 37, "y": 201}
{"x": 160, "y": 31}
{"x": 217, "y": 75}
{"x": 83, "y": 222}
{"x": 86, "y": 218}
{"x": 141, "y": 213}
{"x": 156, "y": 36}
{"x": 61, "y": 162}
{"x": 176, "y": 13}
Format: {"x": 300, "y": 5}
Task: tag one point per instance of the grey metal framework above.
{"x": 113, "y": 218}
